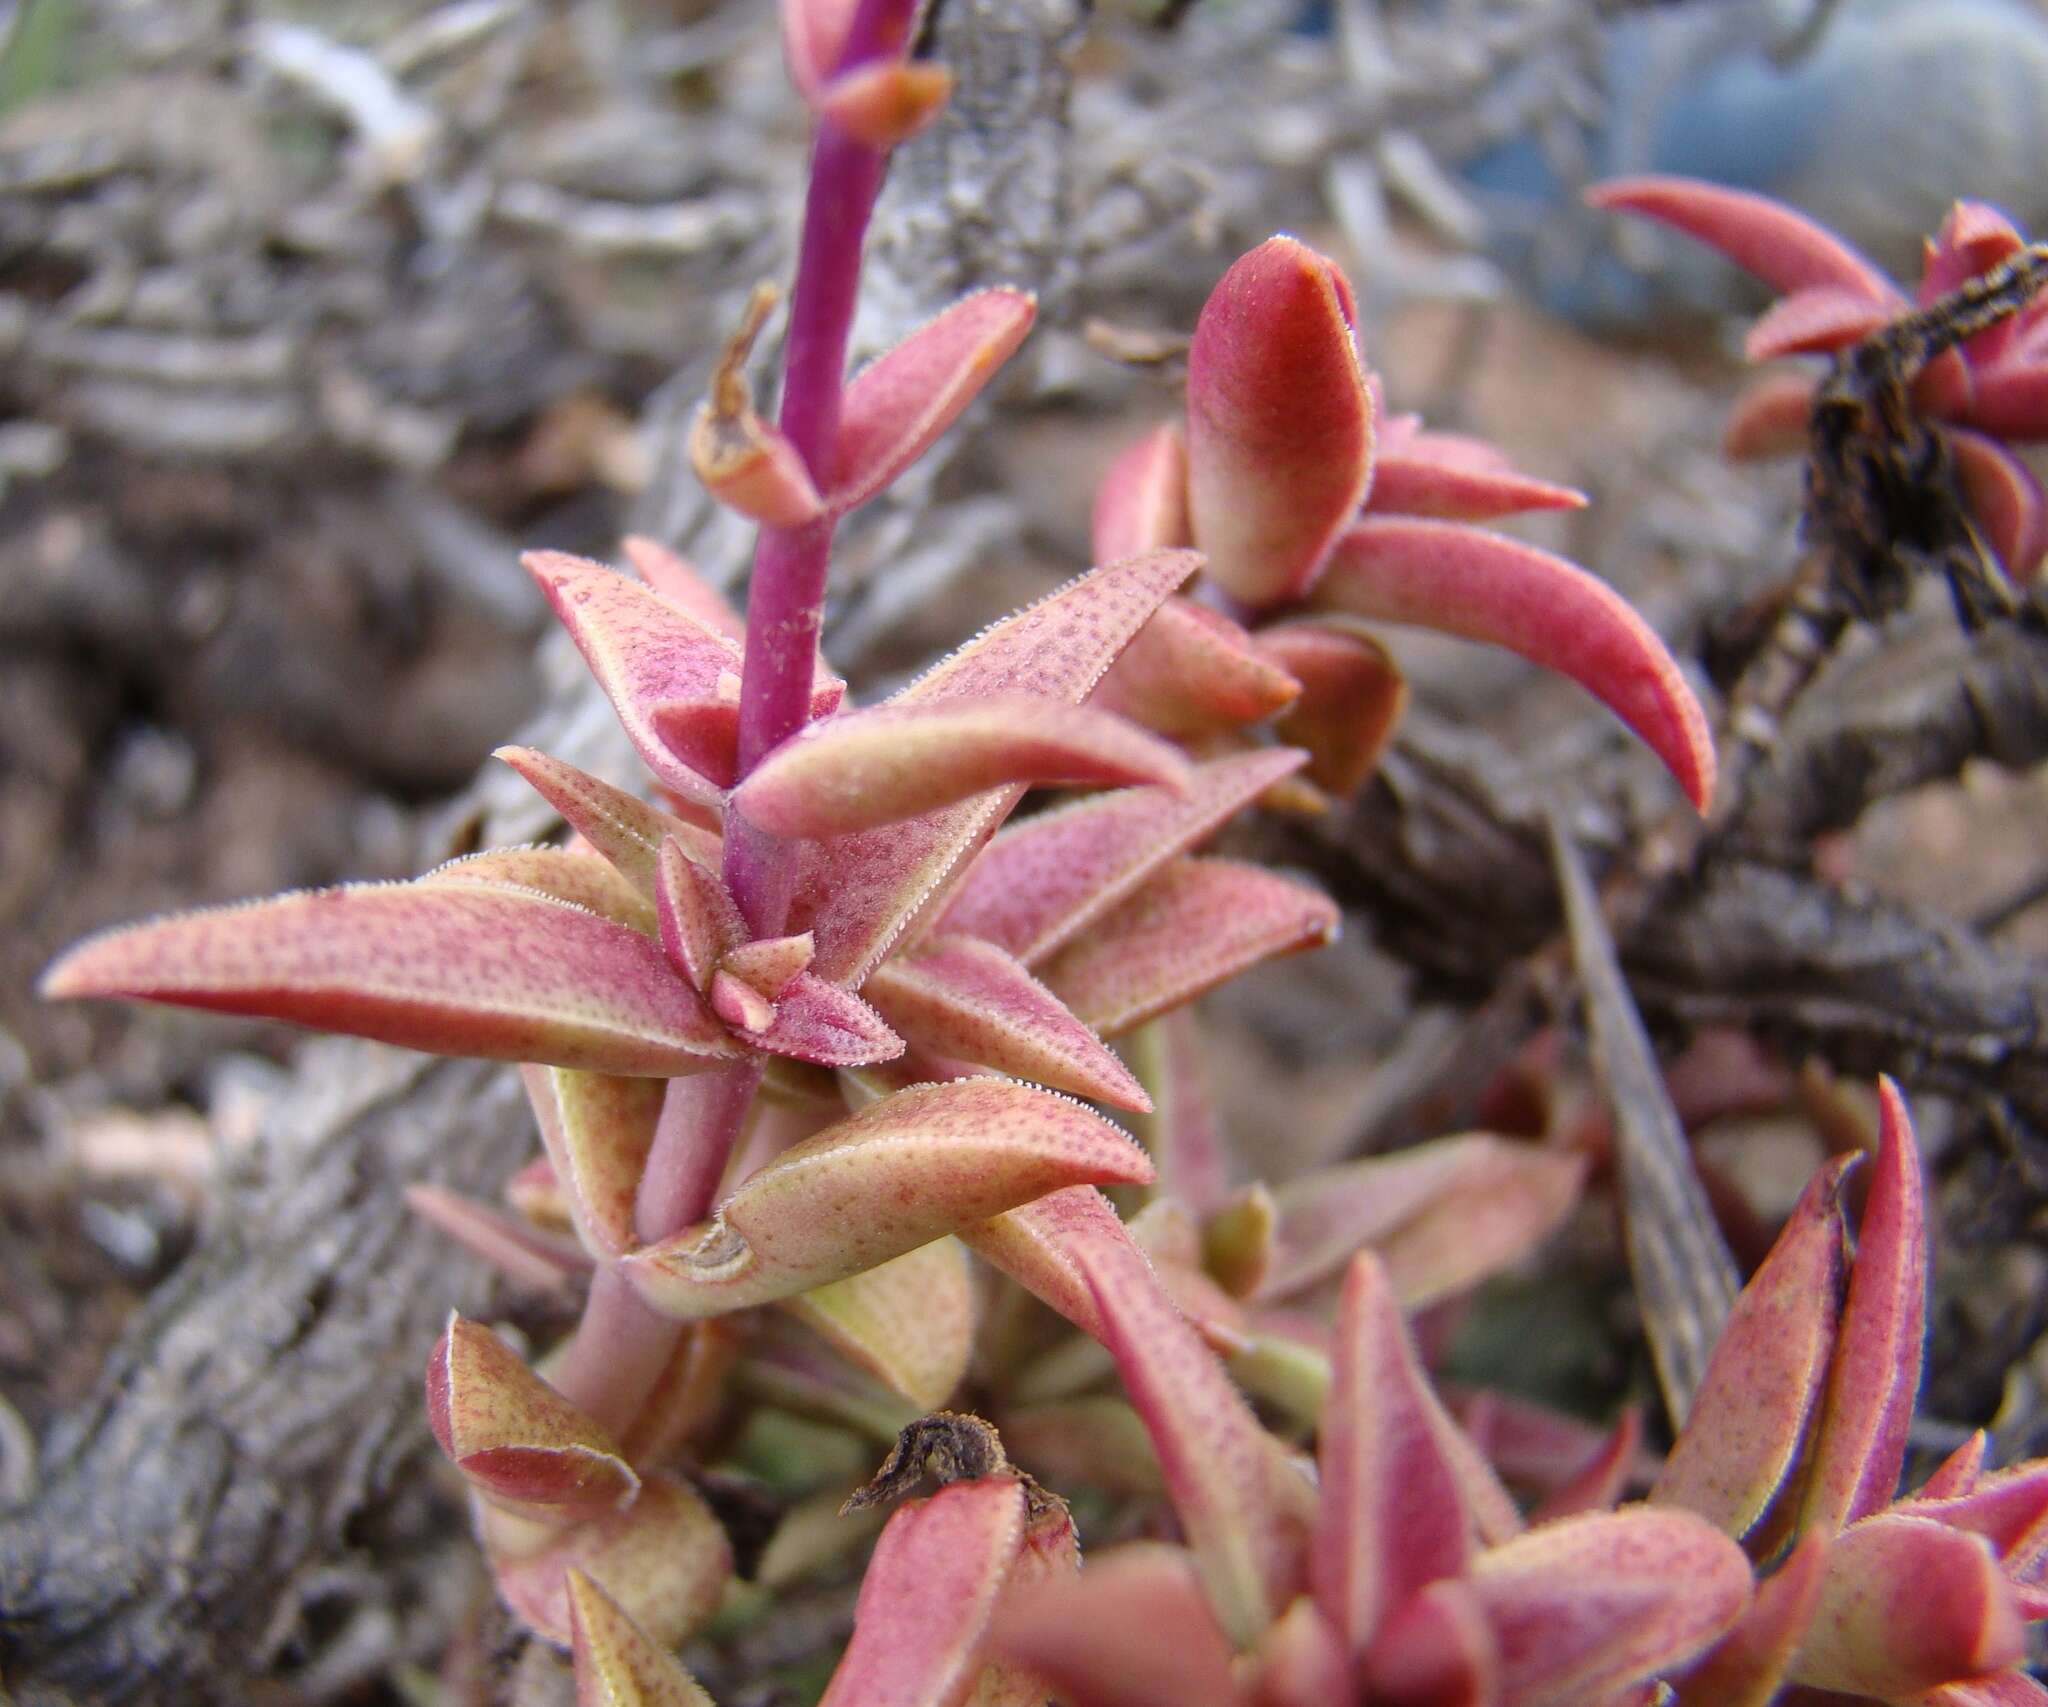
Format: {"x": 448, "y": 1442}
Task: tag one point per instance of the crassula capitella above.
{"x": 815, "y": 1023}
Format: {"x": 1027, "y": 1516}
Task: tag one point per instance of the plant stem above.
{"x": 786, "y": 600}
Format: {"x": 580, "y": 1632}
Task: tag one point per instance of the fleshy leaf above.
{"x": 1132, "y": 1631}
{"x": 1458, "y": 479}
{"x": 1352, "y": 696}
{"x": 1035, "y": 1245}
{"x": 1823, "y": 317}
{"x": 886, "y": 102}
{"x": 524, "y": 1253}
{"x": 513, "y": 1437}
{"x": 1390, "y": 1518}
{"x": 620, "y": 826}
{"x": 909, "y": 1321}
{"x": 769, "y": 964}
{"x": 911, "y": 1168}
{"x": 925, "y": 1601}
{"x": 1788, "y": 251}
{"x": 903, "y": 400}
{"x": 598, "y": 1129}
{"x": 1770, "y": 418}
{"x": 1280, "y": 423}
{"x": 1957, "y": 1473}
{"x": 858, "y": 892}
{"x": 616, "y": 1665}
{"x": 1442, "y": 1215}
{"x": 664, "y": 1560}
{"x": 1601, "y": 1481}
{"x": 1746, "y": 1667}
{"x": 1191, "y": 671}
{"x": 1437, "y": 1650}
{"x": 679, "y": 583}
{"x": 820, "y": 1023}
{"x": 962, "y": 997}
{"x": 448, "y": 968}
{"x": 1142, "y": 503}
{"x": 1585, "y": 1607}
{"x": 699, "y": 920}
{"x": 814, "y": 36}
{"x": 577, "y": 878}
{"x": 1246, "y": 1511}
{"x": 2005, "y": 498}
{"x": 1094, "y": 1440}
{"x": 1198, "y": 922}
{"x": 1486, "y": 587}
{"x": 1907, "y": 1604}
{"x": 880, "y": 766}
{"x": 1301, "y": 1662}
{"x": 1860, "y": 1444}
{"x": 1769, "y": 1365}
{"x": 1040, "y": 882}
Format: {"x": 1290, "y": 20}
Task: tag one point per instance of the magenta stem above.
{"x": 786, "y": 600}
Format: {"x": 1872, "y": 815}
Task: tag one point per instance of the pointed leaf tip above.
{"x": 1489, "y": 588}
{"x": 616, "y": 1665}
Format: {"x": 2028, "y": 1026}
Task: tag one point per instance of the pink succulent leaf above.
{"x": 1391, "y": 1518}
{"x": 741, "y": 1006}
{"x": 2006, "y": 499}
{"x": 1198, "y": 922}
{"x": 925, "y": 1601}
{"x": 889, "y": 763}
{"x": 2006, "y": 1507}
{"x": 1280, "y": 423}
{"x": 1043, "y": 881}
{"x": 1487, "y": 587}
{"x": 1142, "y": 503}
{"x": 1819, "y": 319}
{"x": 562, "y": 874}
{"x": 2010, "y": 401}
{"x": 1458, "y": 479}
{"x": 1527, "y": 1441}
{"x": 1603, "y": 1479}
{"x": 664, "y": 1560}
{"x": 1132, "y": 1631}
{"x": 1437, "y": 1650}
{"x": 2000, "y": 1689}
{"x": 1352, "y": 697}
{"x": 1192, "y": 672}
{"x": 1184, "y": 1135}
{"x": 1763, "y": 1385}
{"x": 451, "y": 969}
{"x": 1957, "y": 1473}
{"x": 1908, "y": 1604}
{"x": 1588, "y": 1606}
{"x": 514, "y": 1438}
{"x": 682, "y": 585}
{"x": 623, "y": 828}
{"x": 962, "y": 997}
{"x": 525, "y": 1254}
{"x": 814, "y": 36}
{"x": 1788, "y": 251}
{"x": 902, "y": 401}
{"x": 1301, "y": 1663}
{"x": 1035, "y": 1245}
{"x": 1441, "y": 1215}
{"x": 1771, "y": 418}
{"x": 859, "y": 892}
{"x": 908, "y": 1322}
{"x": 1860, "y": 1443}
{"x": 699, "y": 920}
{"x": 769, "y": 963}
{"x": 1245, "y": 1510}
{"x": 906, "y": 1170}
{"x": 1167, "y": 1234}
{"x": 1973, "y": 239}
{"x": 829, "y": 1027}
{"x": 598, "y": 1130}
{"x": 690, "y": 1392}
{"x": 1746, "y": 1668}
{"x": 616, "y": 1665}
{"x": 885, "y": 102}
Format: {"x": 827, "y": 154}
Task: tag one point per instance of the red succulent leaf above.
{"x": 2007, "y": 1508}
{"x": 1958, "y": 1472}
{"x": 623, "y": 828}
{"x": 1352, "y": 697}
{"x": 1604, "y": 1477}
{"x": 699, "y": 921}
{"x": 1437, "y": 1650}
{"x": 1771, "y": 418}
{"x": 1486, "y": 587}
{"x": 1907, "y": 1604}
{"x": 908, "y": 1322}
{"x": 1860, "y": 1444}
{"x": 1041, "y": 882}
{"x": 1198, "y": 922}
{"x": 1457, "y": 479}
{"x": 524, "y": 1253}
{"x": 1245, "y": 1510}
{"x": 514, "y": 1438}
{"x": 818, "y": 1022}
{"x": 1184, "y": 1135}
{"x": 1301, "y": 1663}
{"x": 906, "y": 1170}
{"x": 768, "y": 964}
{"x": 616, "y": 1665}
{"x": 1142, "y": 503}
{"x": 894, "y": 762}
{"x": 598, "y": 1130}
{"x": 2009, "y": 401}
{"x": 962, "y": 997}
{"x": 2006, "y": 499}
{"x": 1822, "y": 318}
{"x": 858, "y": 892}
{"x": 1191, "y": 672}
{"x": 1035, "y": 1246}
{"x": 900, "y": 402}
{"x": 2000, "y": 1689}
{"x": 1785, "y": 249}
{"x": 675, "y": 580}
{"x": 1280, "y": 423}
{"x": 1390, "y": 1519}
{"x": 1747, "y": 1666}
{"x": 1758, "y": 1396}
{"x": 453, "y": 969}
{"x": 563, "y": 874}
{"x": 925, "y": 1602}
